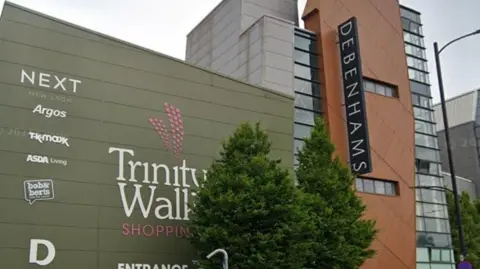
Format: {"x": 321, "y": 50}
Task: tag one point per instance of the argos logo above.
{"x": 49, "y": 112}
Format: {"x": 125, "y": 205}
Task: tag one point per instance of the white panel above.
{"x": 278, "y": 88}
{"x": 224, "y": 46}
{"x": 241, "y": 72}
{"x": 278, "y": 46}
{"x": 460, "y": 110}
{"x": 225, "y": 58}
{"x": 279, "y": 30}
{"x": 255, "y": 49}
{"x": 279, "y": 61}
{"x": 279, "y": 77}
{"x": 255, "y": 63}
{"x": 256, "y": 77}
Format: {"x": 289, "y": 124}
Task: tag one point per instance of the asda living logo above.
{"x": 172, "y": 137}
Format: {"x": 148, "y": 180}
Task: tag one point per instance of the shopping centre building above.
{"x": 261, "y": 42}
{"x": 103, "y": 142}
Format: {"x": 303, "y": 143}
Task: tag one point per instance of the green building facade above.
{"x": 102, "y": 144}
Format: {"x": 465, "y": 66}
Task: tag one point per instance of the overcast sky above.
{"x": 162, "y": 25}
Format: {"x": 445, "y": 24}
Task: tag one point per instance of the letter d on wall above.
{"x": 34, "y": 251}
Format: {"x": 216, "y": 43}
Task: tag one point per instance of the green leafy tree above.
{"x": 471, "y": 227}
{"x": 340, "y": 237}
{"x": 248, "y": 206}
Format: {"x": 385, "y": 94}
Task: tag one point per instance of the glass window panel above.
{"x": 426, "y": 167}
{"x": 380, "y": 89}
{"x": 405, "y": 13}
{"x": 415, "y": 51}
{"x": 359, "y": 184}
{"x": 297, "y": 145}
{"x": 441, "y": 266}
{"x": 435, "y": 211}
{"x": 303, "y": 116}
{"x": 414, "y": 39}
{"x": 424, "y": 127}
{"x": 446, "y": 255}
{"x": 424, "y": 180}
{"x": 306, "y": 102}
{"x": 426, "y": 140}
{"x": 379, "y": 187}
{"x": 419, "y": 88}
{"x": 304, "y": 43}
{"x": 435, "y": 255}
{"x": 305, "y": 72}
{"x": 422, "y": 255}
{"x": 420, "y": 224}
{"x": 422, "y": 114}
{"x": 433, "y": 240}
{"x": 368, "y": 186}
{"x": 369, "y": 86}
{"x": 307, "y": 87}
{"x": 390, "y": 188}
{"x": 417, "y": 63}
{"x": 427, "y": 154}
{"x": 423, "y": 266}
{"x": 306, "y": 58}
{"x": 437, "y": 226}
{"x": 418, "y": 76}
{"x": 419, "y": 209}
{"x": 302, "y": 131}
{"x": 389, "y": 92}
{"x": 430, "y": 196}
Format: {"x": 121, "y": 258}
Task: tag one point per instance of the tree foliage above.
{"x": 248, "y": 206}
{"x": 340, "y": 237}
{"x": 252, "y": 208}
{"x": 470, "y": 216}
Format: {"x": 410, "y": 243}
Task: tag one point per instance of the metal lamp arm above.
{"x": 457, "y": 39}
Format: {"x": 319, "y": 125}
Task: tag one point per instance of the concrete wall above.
{"x": 119, "y": 91}
{"x": 249, "y": 40}
{"x": 464, "y": 152}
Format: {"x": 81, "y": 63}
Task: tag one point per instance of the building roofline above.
{"x": 459, "y": 177}
{"x": 205, "y": 18}
{"x": 111, "y": 38}
{"x": 411, "y": 9}
{"x": 456, "y": 97}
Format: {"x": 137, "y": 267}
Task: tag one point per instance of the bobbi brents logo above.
{"x": 154, "y": 190}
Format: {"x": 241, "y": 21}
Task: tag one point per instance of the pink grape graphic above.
{"x": 176, "y": 129}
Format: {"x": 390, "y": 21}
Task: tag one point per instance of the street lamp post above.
{"x": 447, "y": 136}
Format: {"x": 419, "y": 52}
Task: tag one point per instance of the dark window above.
{"x": 304, "y": 43}
{"x": 412, "y": 26}
{"x": 427, "y": 154}
{"x": 433, "y": 240}
{"x": 307, "y": 87}
{"x": 420, "y": 88}
{"x": 426, "y": 167}
{"x": 380, "y": 88}
{"x": 405, "y": 13}
{"x": 376, "y": 186}
{"x": 422, "y": 101}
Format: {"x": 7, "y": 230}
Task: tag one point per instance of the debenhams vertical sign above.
{"x": 360, "y": 160}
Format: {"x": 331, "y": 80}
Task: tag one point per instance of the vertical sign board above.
{"x": 358, "y": 141}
